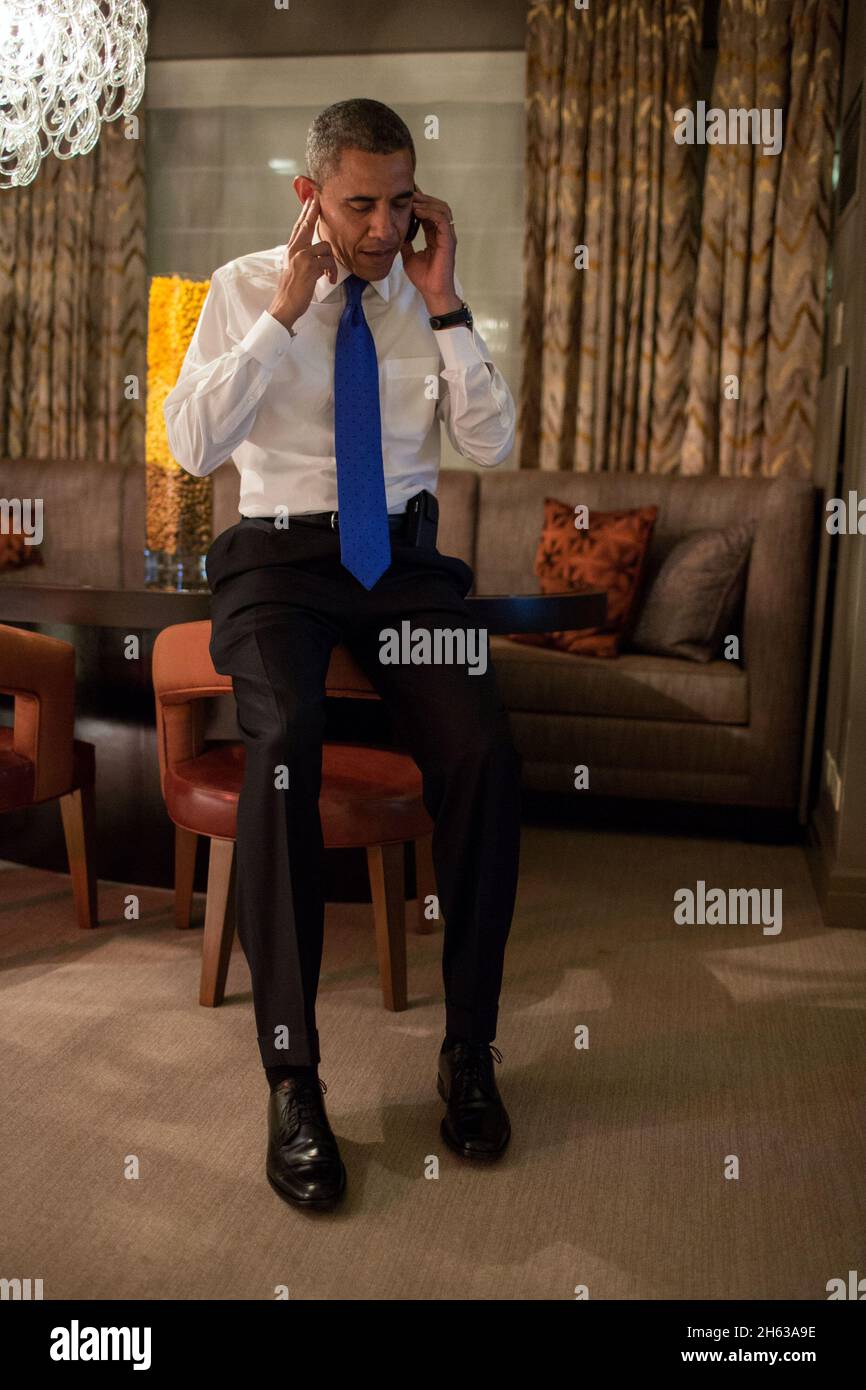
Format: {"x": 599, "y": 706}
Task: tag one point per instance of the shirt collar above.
{"x": 382, "y": 287}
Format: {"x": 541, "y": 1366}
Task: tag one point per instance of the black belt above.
{"x": 330, "y": 520}
{"x": 418, "y": 524}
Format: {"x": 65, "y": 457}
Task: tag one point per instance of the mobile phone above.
{"x": 423, "y": 523}
{"x": 414, "y": 228}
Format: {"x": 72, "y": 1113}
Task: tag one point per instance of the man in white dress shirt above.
{"x": 325, "y": 368}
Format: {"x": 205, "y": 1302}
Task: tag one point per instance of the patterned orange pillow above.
{"x": 14, "y": 554}
{"x": 607, "y": 554}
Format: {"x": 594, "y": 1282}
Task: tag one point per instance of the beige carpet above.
{"x": 705, "y": 1042}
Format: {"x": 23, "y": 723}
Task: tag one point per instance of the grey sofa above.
{"x": 649, "y": 726}
{"x": 645, "y": 726}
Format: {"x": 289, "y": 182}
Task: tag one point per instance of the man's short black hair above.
{"x": 357, "y": 124}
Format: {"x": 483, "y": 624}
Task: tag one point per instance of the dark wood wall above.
{"x": 254, "y": 28}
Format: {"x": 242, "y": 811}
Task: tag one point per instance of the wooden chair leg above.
{"x": 425, "y": 882}
{"x": 219, "y": 922}
{"x": 77, "y": 809}
{"x": 388, "y": 890}
{"x": 185, "y": 842}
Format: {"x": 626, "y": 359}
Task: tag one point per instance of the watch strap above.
{"x": 461, "y": 315}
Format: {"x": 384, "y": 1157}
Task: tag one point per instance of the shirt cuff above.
{"x": 267, "y": 341}
{"x": 459, "y": 347}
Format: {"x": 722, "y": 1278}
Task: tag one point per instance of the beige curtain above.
{"x": 73, "y": 306}
{"x": 606, "y": 348}
{"x": 764, "y": 245}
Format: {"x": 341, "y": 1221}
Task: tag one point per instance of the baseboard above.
{"x": 750, "y": 824}
{"x": 841, "y": 897}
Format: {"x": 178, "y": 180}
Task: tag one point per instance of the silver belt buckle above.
{"x": 333, "y": 527}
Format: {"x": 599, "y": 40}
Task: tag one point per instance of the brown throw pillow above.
{"x": 14, "y": 554}
{"x": 694, "y": 601}
{"x": 607, "y": 554}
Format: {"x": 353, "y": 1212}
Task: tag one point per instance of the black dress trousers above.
{"x": 281, "y": 600}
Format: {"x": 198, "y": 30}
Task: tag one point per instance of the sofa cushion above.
{"x": 457, "y": 491}
{"x": 633, "y": 686}
{"x": 93, "y": 521}
{"x": 696, "y": 596}
{"x": 608, "y": 554}
{"x": 511, "y": 507}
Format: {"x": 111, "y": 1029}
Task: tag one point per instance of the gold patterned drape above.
{"x": 606, "y": 348}
{"x": 764, "y": 244}
{"x": 73, "y": 307}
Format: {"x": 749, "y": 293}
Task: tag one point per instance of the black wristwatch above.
{"x": 461, "y": 315}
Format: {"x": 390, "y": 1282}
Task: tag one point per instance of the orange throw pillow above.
{"x": 15, "y": 554}
{"x": 607, "y": 554}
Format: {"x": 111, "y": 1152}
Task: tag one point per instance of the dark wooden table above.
{"x": 114, "y": 709}
{"x": 139, "y": 610}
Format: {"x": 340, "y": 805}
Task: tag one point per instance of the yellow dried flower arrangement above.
{"x": 179, "y": 506}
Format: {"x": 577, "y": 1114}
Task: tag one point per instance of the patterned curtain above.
{"x": 73, "y": 306}
{"x": 606, "y": 348}
{"x": 764, "y": 244}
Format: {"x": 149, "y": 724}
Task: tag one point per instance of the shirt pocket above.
{"x": 410, "y": 387}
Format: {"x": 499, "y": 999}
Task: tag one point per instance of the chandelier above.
{"x": 65, "y": 67}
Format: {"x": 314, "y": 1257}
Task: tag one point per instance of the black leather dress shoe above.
{"x": 475, "y": 1124}
{"x": 304, "y": 1164}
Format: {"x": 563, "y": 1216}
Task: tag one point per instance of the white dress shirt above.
{"x": 250, "y": 391}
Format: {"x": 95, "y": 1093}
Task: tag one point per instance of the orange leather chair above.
{"x": 40, "y": 760}
{"x": 370, "y": 797}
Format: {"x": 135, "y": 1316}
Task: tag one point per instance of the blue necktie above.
{"x": 365, "y": 540}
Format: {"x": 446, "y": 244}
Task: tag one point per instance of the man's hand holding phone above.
{"x": 432, "y": 270}
{"x": 303, "y": 263}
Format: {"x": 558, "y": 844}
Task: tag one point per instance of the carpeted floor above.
{"x": 705, "y": 1042}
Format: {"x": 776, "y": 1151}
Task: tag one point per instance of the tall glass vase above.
{"x": 179, "y": 506}
{"x": 179, "y": 528}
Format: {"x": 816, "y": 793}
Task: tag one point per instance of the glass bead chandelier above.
{"x": 65, "y": 67}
